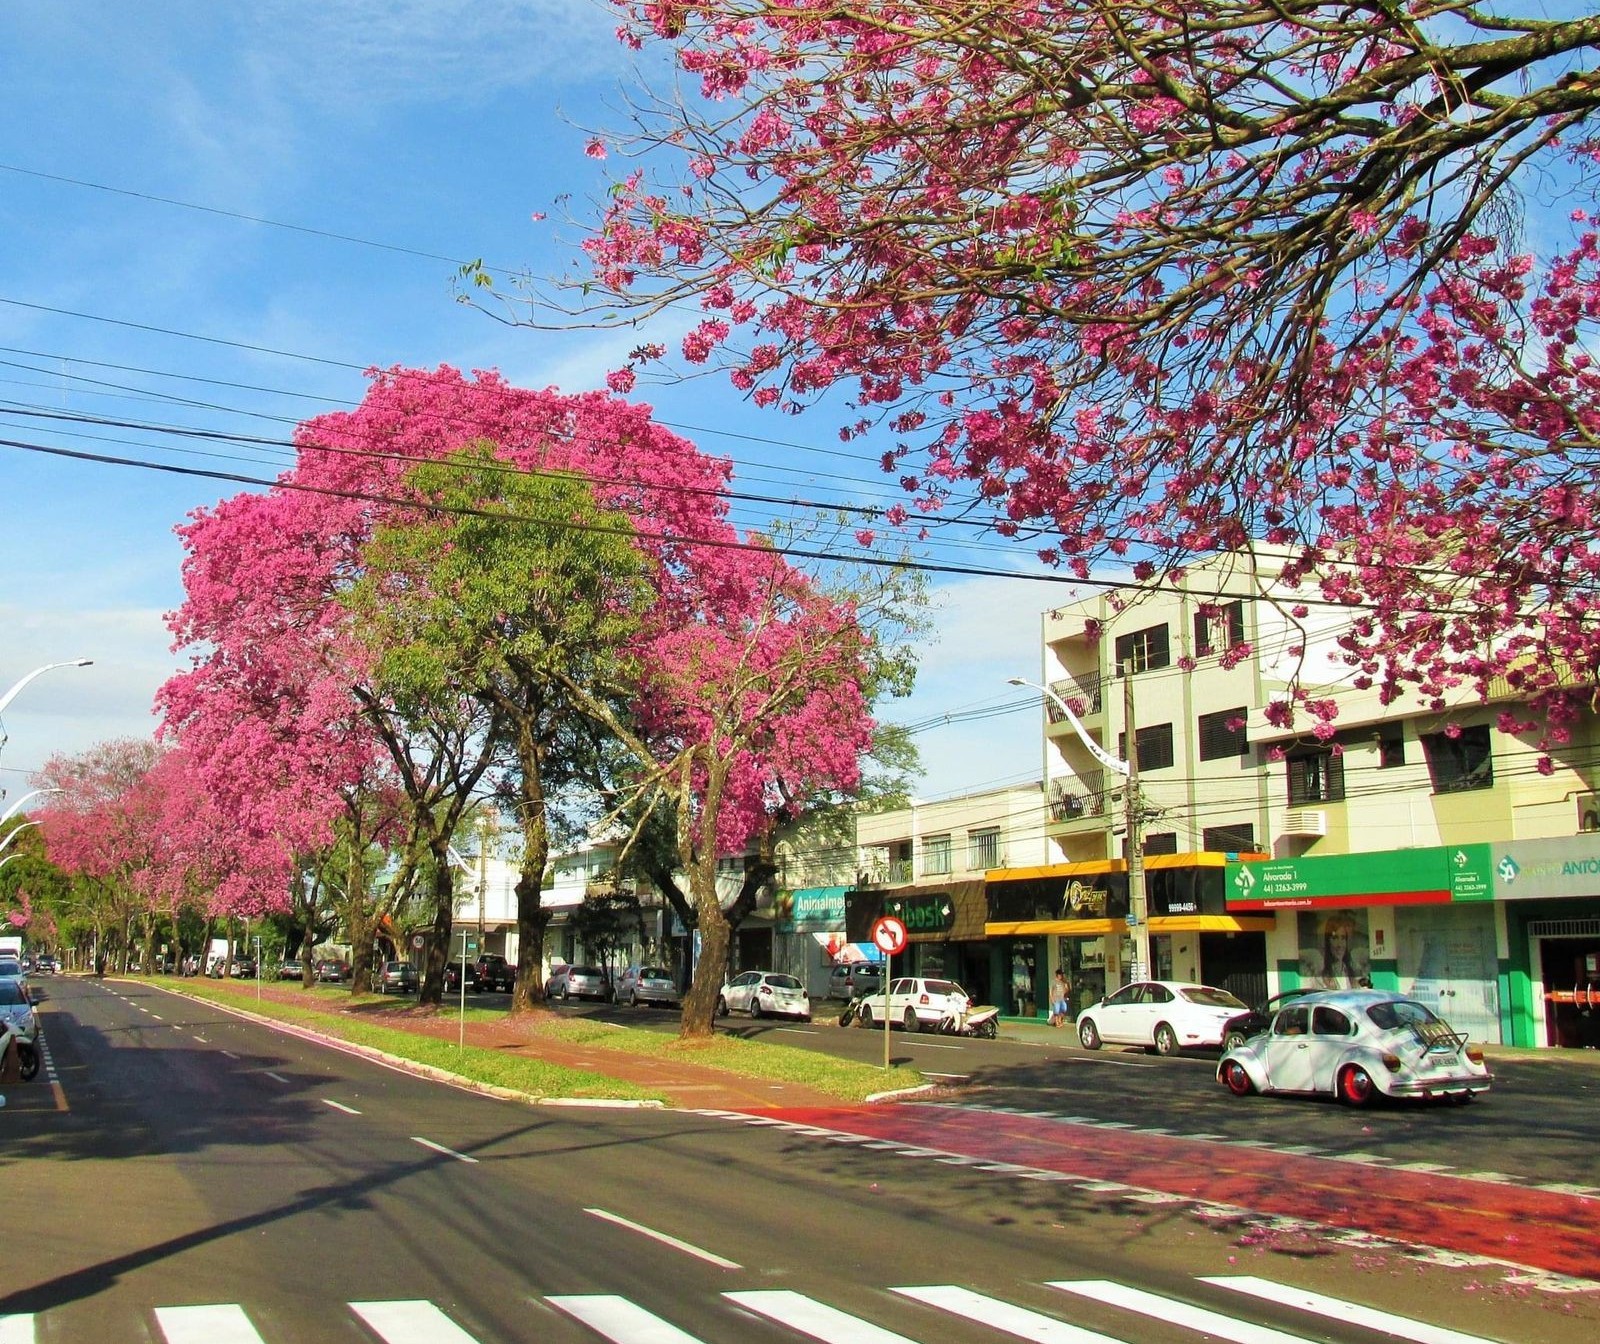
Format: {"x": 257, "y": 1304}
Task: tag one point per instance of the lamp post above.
{"x": 17, "y": 806}
{"x": 1138, "y": 921}
{"x": 11, "y": 695}
{"x": 12, "y": 834}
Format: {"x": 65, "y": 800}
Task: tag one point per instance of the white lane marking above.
{"x": 1017, "y": 1321}
{"x": 709, "y": 1257}
{"x": 340, "y": 1106}
{"x": 230, "y": 1054}
{"x": 799, "y": 1031}
{"x": 618, "y": 1319}
{"x": 225, "y": 1323}
{"x": 202, "y": 1040}
{"x": 158, "y": 1017}
{"x": 440, "y": 1148}
{"x": 1174, "y": 1312}
{"x": 16, "y": 1330}
{"x": 929, "y": 1073}
{"x": 410, "y": 1323}
{"x": 828, "y": 1324}
{"x": 929, "y": 1045}
{"x": 1401, "y": 1327}
{"x": 276, "y": 1077}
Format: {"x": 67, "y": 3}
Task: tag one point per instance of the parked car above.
{"x": 1357, "y": 1044}
{"x": 1162, "y": 1015}
{"x": 647, "y": 984}
{"x": 578, "y": 982}
{"x": 332, "y": 972}
{"x": 452, "y": 977}
{"x": 765, "y": 993}
{"x": 16, "y": 1009}
{"x": 1252, "y": 1023}
{"x": 398, "y": 977}
{"x": 46, "y": 964}
{"x": 244, "y": 968}
{"x": 11, "y": 968}
{"x": 917, "y": 1003}
{"x": 291, "y": 970}
{"x": 851, "y": 978}
{"x": 493, "y": 972}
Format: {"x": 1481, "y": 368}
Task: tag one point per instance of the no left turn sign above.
{"x": 890, "y": 935}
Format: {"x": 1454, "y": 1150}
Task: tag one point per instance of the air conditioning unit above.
{"x": 1305, "y": 821}
{"x": 1589, "y": 812}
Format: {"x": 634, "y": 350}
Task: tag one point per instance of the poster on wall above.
{"x": 1334, "y": 949}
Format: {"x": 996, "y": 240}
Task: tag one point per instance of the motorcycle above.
{"x": 852, "y": 1009}
{"x": 982, "y": 1021}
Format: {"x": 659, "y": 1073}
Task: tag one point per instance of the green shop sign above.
{"x": 1433, "y": 876}
{"x": 923, "y": 914}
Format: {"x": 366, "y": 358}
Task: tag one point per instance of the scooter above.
{"x": 983, "y": 1021}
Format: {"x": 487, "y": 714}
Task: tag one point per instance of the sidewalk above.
{"x": 684, "y": 1084}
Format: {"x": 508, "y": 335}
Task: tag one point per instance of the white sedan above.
{"x": 1162, "y": 1015}
{"x": 1357, "y": 1044}
{"x": 765, "y": 994}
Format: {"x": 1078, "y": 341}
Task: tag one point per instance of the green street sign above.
{"x": 923, "y": 914}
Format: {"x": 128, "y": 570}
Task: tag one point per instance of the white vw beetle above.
{"x": 1356, "y": 1044}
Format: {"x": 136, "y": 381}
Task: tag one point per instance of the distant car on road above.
{"x": 917, "y": 1003}
{"x": 765, "y": 994}
{"x": 578, "y": 982}
{"x": 854, "y": 978}
{"x": 493, "y": 972}
{"x": 1162, "y": 1015}
{"x": 291, "y": 970}
{"x": 398, "y": 977}
{"x": 647, "y": 984}
{"x": 46, "y": 964}
{"x": 1357, "y": 1045}
{"x": 332, "y": 972}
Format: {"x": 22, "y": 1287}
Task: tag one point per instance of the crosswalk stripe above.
{"x": 1019, "y": 1321}
{"x": 620, "y": 1320}
{"x": 1177, "y": 1313}
{"x": 416, "y": 1322}
{"x": 1401, "y": 1327}
{"x": 828, "y": 1324}
{"x": 224, "y": 1323}
{"x": 16, "y": 1330}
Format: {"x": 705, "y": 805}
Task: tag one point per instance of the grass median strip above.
{"x": 337, "y": 1012}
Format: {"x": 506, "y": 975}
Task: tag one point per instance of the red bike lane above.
{"x": 1538, "y": 1229}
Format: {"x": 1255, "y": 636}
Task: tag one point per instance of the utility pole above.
{"x": 1133, "y": 838}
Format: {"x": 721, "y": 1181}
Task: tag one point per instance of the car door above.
{"x": 1289, "y": 1056}
{"x": 1332, "y": 1034}
{"x": 1118, "y": 1018}
{"x": 740, "y": 990}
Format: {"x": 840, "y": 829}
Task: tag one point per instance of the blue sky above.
{"x": 417, "y": 128}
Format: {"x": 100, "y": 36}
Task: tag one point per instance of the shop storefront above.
{"x": 1421, "y": 921}
{"x": 1074, "y": 917}
{"x": 945, "y": 925}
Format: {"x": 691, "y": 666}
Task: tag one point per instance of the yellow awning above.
{"x": 1096, "y": 928}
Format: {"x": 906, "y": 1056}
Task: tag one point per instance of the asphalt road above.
{"x": 182, "y": 1158}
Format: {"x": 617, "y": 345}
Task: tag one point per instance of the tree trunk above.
{"x": 700, "y": 1003}
{"x": 444, "y": 903}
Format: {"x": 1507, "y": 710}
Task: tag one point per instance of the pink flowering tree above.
{"x": 1156, "y": 283}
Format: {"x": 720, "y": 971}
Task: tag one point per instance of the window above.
{"x": 1458, "y": 763}
{"x": 1316, "y": 775}
{"x": 1329, "y": 1022}
{"x": 1291, "y": 1022}
{"x": 1223, "y": 734}
{"x": 1155, "y": 746}
{"x": 983, "y": 848}
{"x": 1239, "y": 838}
{"x": 1144, "y": 649}
{"x": 1161, "y": 842}
{"x": 1391, "y": 741}
{"x": 936, "y": 854}
{"x": 1218, "y": 628}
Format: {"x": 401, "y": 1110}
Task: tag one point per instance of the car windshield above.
{"x": 1399, "y": 1014}
{"x": 783, "y": 982}
{"x": 11, "y": 993}
{"x": 1212, "y": 998}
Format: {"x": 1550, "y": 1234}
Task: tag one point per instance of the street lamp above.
{"x": 17, "y": 806}
{"x": 11, "y": 695}
{"x": 14, "y": 833}
{"x": 1138, "y": 922}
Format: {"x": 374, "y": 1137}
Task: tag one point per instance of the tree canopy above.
{"x": 1156, "y": 282}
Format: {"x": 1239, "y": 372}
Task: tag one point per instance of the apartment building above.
{"x": 1423, "y": 850}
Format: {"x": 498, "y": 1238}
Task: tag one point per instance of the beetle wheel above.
{"x": 1356, "y": 1085}
{"x": 1236, "y": 1079}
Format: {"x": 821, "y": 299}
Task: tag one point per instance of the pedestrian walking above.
{"x": 1060, "y": 1003}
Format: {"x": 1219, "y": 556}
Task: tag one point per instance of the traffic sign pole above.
{"x": 890, "y": 935}
{"x": 888, "y": 968}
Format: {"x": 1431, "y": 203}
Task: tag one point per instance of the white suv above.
{"x": 917, "y": 1004}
